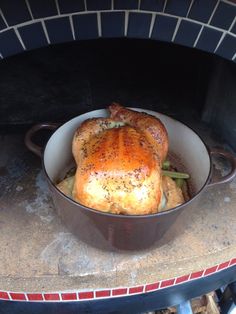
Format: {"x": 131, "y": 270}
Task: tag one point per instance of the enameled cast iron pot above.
{"x": 110, "y": 231}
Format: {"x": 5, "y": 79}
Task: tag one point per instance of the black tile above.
{"x": 139, "y": 25}
{"x": 152, "y": 5}
{"x": 209, "y": 39}
{"x": 59, "y": 30}
{"x": 233, "y": 30}
{"x": 33, "y": 35}
{"x": 227, "y": 48}
{"x": 125, "y": 4}
{"x": 224, "y": 15}
{"x": 42, "y": 8}
{"x": 201, "y": 10}
{"x": 2, "y": 23}
{"x": 68, "y": 6}
{"x": 164, "y": 28}
{"x": 113, "y": 24}
{"x": 15, "y": 12}
{"x": 85, "y": 26}
{"x": 93, "y": 5}
{"x": 9, "y": 43}
{"x": 179, "y": 8}
{"x": 187, "y": 33}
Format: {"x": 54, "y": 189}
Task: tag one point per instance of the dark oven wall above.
{"x": 61, "y": 58}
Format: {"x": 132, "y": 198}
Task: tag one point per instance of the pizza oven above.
{"x": 61, "y": 59}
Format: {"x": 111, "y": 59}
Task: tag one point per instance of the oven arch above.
{"x": 208, "y": 25}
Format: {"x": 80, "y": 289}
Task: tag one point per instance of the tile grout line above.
{"x": 29, "y": 9}
{"x": 3, "y": 17}
{"x": 164, "y": 7}
{"x": 213, "y": 12}
{"x": 19, "y": 37}
{"x": 190, "y": 7}
{"x": 176, "y": 29}
{"x": 152, "y": 24}
{"x": 85, "y": 5}
{"x": 58, "y": 7}
{"x": 220, "y": 41}
{"x": 99, "y": 24}
{"x": 232, "y": 24}
{"x": 126, "y": 23}
{"x": 45, "y": 31}
{"x": 112, "y": 5}
{"x": 72, "y": 26}
{"x": 198, "y": 36}
{"x": 139, "y": 4}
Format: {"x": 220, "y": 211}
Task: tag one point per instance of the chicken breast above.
{"x": 118, "y": 166}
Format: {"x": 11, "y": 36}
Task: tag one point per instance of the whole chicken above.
{"x": 119, "y": 162}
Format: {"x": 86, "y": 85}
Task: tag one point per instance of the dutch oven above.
{"x": 126, "y": 232}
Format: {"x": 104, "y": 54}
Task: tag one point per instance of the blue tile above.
{"x": 224, "y": 15}
{"x": 139, "y": 25}
{"x": 164, "y": 28}
{"x": 2, "y": 23}
{"x": 9, "y": 43}
{"x": 15, "y": 12}
{"x": 152, "y": 5}
{"x": 187, "y": 33}
{"x": 68, "y": 6}
{"x": 33, "y": 35}
{"x": 85, "y": 26}
{"x": 179, "y": 8}
{"x": 42, "y": 8}
{"x": 209, "y": 39}
{"x": 201, "y": 10}
{"x": 59, "y": 30}
{"x": 227, "y": 48}
{"x": 93, "y": 5}
{"x": 113, "y": 24}
{"x": 125, "y": 4}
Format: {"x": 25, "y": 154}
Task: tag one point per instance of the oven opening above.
{"x": 60, "y": 82}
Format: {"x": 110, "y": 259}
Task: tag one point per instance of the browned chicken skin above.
{"x": 119, "y": 162}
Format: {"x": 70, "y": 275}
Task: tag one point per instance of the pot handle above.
{"x": 36, "y": 149}
{"x": 232, "y": 160}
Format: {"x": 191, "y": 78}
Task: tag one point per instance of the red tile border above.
{"x": 4, "y": 295}
{"x": 35, "y": 296}
{"x": 18, "y": 296}
{"x": 223, "y": 265}
{"x": 167, "y": 283}
{"x": 86, "y": 295}
{"x": 69, "y": 296}
{"x": 197, "y": 274}
{"x": 152, "y": 286}
{"x": 103, "y": 293}
{"x": 109, "y": 293}
{"x": 51, "y": 296}
{"x": 210, "y": 270}
{"x": 136, "y": 289}
{"x": 119, "y": 291}
{"x": 182, "y": 279}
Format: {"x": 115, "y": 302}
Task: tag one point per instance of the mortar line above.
{"x": 45, "y": 31}
{"x": 19, "y": 37}
{"x": 152, "y": 24}
{"x": 176, "y": 29}
{"x": 29, "y": 8}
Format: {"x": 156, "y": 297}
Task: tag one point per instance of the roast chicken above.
{"x": 118, "y": 162}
